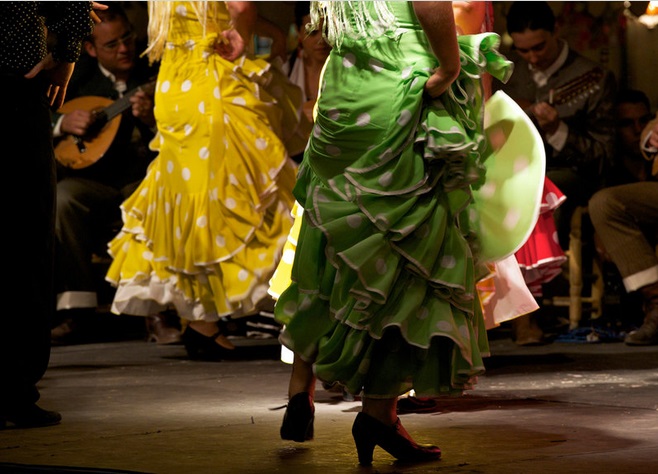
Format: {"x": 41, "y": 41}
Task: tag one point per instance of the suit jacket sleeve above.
{"x": 590, "y": 134}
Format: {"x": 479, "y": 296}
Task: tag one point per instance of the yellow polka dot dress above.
{"x": 204, "y": 231}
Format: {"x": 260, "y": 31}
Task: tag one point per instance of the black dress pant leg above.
{"x": 29, "y": 218}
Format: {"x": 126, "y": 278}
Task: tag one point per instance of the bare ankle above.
{"x": 302, "y": 378}
{"x": 383, "y": 410}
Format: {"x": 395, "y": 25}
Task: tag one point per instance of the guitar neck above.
{"x": 577, "y": 88}
{"x": 118, "y": 106}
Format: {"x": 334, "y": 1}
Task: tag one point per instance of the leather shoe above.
{"x": 67, "y": 332}
{"x": 647, "y": 334}
{"x": 161, "y": 331}
{"x": 30, "y": 416}
{"x": 202, "y": 347}
{"x": 76, "y": 325}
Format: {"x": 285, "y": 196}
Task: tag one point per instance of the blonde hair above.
{"x": 160, "y": 12}
{"x": 352, "y": 19}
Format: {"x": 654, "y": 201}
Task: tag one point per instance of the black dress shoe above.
{"x": 68, "y": 332}
{"x": 30, "y": 416}
{"x": 76, "y": 326}
{"x": 200, "y": 347}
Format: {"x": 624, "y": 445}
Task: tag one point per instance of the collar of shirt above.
{"x": 119, "y": 86}
{"x": 541, "y": 77}
{"x": 298, "y": 77}
{"x": 648, "y": 149}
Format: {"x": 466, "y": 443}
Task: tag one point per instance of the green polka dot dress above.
{"x": 382, "y": 295}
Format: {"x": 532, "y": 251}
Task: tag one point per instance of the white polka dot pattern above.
{"x": 363, "y": 119}
{"x": 444, "y": 326}
{"x": 376, "y": 65}
{"x": 349, "y": 60}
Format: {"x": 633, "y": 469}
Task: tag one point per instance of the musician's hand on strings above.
{"x": 547, "y": 117}
{"x": 58, "y": 74}
{"x": 142, "y": 107}
{"x": 77, "y": 122}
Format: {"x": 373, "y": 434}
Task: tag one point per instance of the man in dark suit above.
{"x": 88, "y": 199}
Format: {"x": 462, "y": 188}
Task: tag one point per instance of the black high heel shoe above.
{"x": 369, "y": 432}
{"x": 200, "y": 347}
{"x": 298, "y": 420}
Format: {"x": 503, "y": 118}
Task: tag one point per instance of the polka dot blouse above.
{"x": 24, "y": 24}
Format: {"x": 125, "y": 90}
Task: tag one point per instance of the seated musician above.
{"x": 569, "y": 97}
{"x": 90, "y": 192}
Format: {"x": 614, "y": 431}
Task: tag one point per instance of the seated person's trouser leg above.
{"x": 85, "y": 210}
{"x": 626, "y": 220}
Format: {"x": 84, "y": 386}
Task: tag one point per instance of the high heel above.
{"x": 202, "y": 347}
{"x": 298, "y": 420}
{"x": 369, "y": 432}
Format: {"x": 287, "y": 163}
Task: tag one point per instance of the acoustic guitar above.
{"x": 577, "y": 88}
{"x": 77, "y": 152}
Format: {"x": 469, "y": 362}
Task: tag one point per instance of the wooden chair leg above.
{"x": 575, "y": 269}
{"x": 598, "y": 286}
